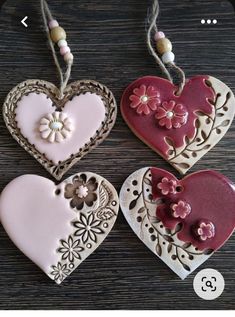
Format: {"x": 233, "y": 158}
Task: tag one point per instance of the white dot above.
{"x": 208, "y": 21}
{"x": 214, "y": 21}
{"x": 170, "y": 114}
{"x": 203, "y": 21}
{"x": 144, "y": 98}
{"x": 56, "y": 125}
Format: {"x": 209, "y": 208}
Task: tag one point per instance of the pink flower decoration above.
{"x": 171, "y": 115}
{"x": 181, "y": 209}
{"x": 205, "y": 230}
{"x": 167, "y": 186}
{"x": 145, "y": 99}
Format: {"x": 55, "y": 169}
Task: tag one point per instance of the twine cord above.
{"x": 64, "y": 78}
{"x": 153, "y": 29}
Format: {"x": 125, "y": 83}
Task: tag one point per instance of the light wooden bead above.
{"x": 164, "y": 45}
{"x": 57, "y": 34}
{"x": 68, "y": 57}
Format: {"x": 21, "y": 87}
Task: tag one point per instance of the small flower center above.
{"x": 170, "y": 114}
{"x": 82, "y": 191}
{"x": 56, "y": 125}
{"x": 144, "y": 98}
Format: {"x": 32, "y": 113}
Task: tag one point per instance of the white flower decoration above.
{"x": 82, "y": 191}
{"x": 55, "y": 127}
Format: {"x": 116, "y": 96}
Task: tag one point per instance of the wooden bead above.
{"x": 57, "y": 34}
{"x": 64, "y": 50}
{"x": 68, "y": 57}
{"x": 164, "y": 45}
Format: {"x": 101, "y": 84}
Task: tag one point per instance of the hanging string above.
{"x": 152, "y": 31}
{"x": 47, "y": 19}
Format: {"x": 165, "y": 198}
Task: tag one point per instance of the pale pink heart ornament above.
{"x": 58, "y": 226}
{"x": 59, "y": 132}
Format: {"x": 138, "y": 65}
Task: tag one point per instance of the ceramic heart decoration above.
{"x": 182, "y": 221}
{"x": 59, "y": 132}
{"x": 180, "y": 127}
{"x": 60, "y": 227}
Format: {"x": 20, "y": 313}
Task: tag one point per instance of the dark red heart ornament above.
{"x": 184, "y": 221}
{"x": 204, "y": 199}
{"x": 181, "y": 128}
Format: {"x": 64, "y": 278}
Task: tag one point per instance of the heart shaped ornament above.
{"x": 60, "y": 227}
{"x": 59, "y": 132}
{"x": 181, "y": 128}
{"x": 183, "y": 221}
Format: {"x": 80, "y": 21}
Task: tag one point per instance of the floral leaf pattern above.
{"x": 59, "y": 272}
{"x": 70, "y": 249}
{"x": 87, "y": 227}
{"x": 82, "y": 191}
{"x": 207, "y": 129}
{"x": 105, "y": 214}
{"x": 95, "y": 206}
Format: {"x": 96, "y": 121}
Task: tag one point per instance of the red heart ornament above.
{"x": 182, "y": 221}
{"x": 181, "y": 128}
{"x": 210, "y": 197}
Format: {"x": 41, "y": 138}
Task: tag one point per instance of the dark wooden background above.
{"x": 108, "y": 41}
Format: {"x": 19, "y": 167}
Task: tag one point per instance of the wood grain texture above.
{"x": 108, "y": 42}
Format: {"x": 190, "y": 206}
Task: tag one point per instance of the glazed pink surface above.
{"x": 35, "y": 218}
{"x": 211, "y": 197}
{"x": 85, "y": 111}
{"x": 194, "y": 97}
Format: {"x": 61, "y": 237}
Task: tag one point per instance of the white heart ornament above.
{"x": 58, "y": 226}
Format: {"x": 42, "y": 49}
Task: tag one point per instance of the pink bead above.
{"x": 53, "y": 24}
{"x": 159, "y": 35}
{"x": 64, "y": 50}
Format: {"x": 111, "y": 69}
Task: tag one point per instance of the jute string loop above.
{"x": 153, "y": 29}
{"x": 64, "y": 77}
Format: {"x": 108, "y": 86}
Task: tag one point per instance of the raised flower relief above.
{"x": 87, "y": 227}
{"x": 205, "y": 230}
{"x": 81, "y": 191}
{"x": 55, "y": 127}
{"x": 70, "y": 249}
{"x": 171, "y": 115}
{"x": 181, "y": 210}
{"x": 145, "y": 99}
{"x": 167, "y": 186}
{"x": 60, "y": 272}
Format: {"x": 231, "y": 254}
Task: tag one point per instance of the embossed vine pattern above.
{"x": 202, "y": 138}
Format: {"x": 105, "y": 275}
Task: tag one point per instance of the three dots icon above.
{"x": 209, "y": 21}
